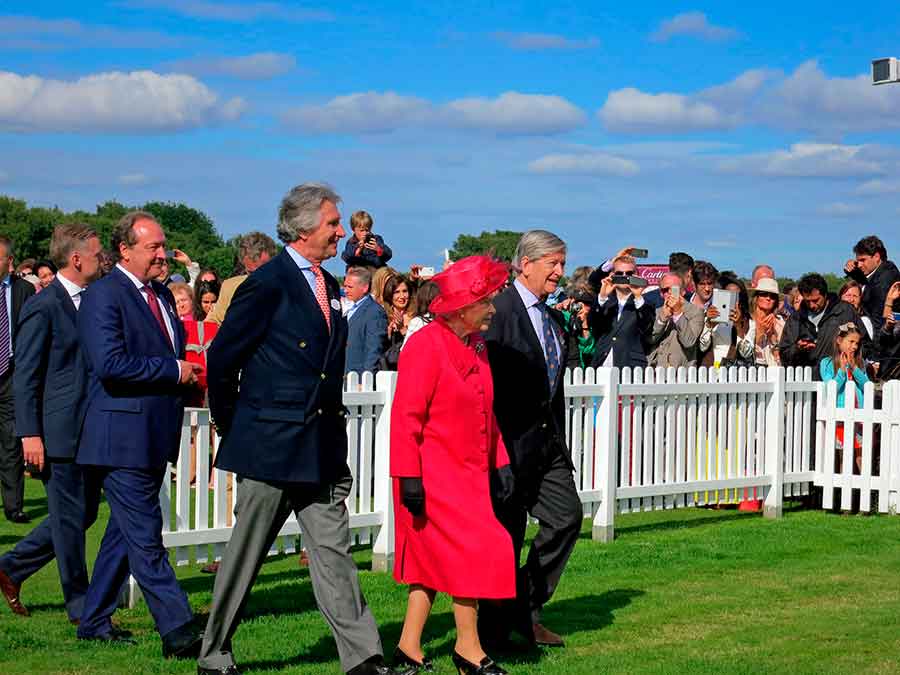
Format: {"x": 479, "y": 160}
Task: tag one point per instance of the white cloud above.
{"x": 840, "y": 210}
{"x": 511, "y": 113}
{"x": 31, "y": 33}
{"x": 721, "y": 243}
{"x": 808, "y": 160}
{"x": 630, "y": 110}
{"x": 259, "y": 66}
{"x": 543, "y": 41}
{"x": 692, "y": 24}
{"x": 879, "y": 187}
{"x": 594, "y": 163}
{"x": 136, "y": 102}
{"x": 133, "y": 179}
{"x": 236, "y": 12}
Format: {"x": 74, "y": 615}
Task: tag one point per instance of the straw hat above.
{"x": 766, "y": 286}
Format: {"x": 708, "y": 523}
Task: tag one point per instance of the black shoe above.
{"x": 112, "y": 636}
{"x": 372, "y": 666}
{"x": 404, "y": 665}
{"x": 18, "y": 517}
{"x": 487, "y": 666}
{"x": 182, "y": 643}
{"x": 227, "y": 670}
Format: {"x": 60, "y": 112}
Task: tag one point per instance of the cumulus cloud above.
{"x": 259, "y": 66}
{"x": 630, "y": 110}
{"x": 236, "y": 12}
{"x": 511, "y": 113}
{"x": 542, "y": 41}
{"x": 30, "y": 33}
{"x": 840, "y": 210}
{"x": 808, "y": 160}
{"x": 136, "y": 102}
{"x": 692, "y": 24}
{"x": 879, "y": 187}
{"x": 133, "y": 179}
{"x": 593, "y": 163}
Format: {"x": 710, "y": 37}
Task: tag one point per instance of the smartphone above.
{"x": 725, "y": 302}
{"x": 639, "y": 253}
{"x": 637, "y": 282}
{"x": 426, "y": 272}
{"x": 675, "y": 291}
{"x": 170, "y": 253}
{"x": 896, "y": 316}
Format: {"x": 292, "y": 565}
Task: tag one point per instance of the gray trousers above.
{"x": 261, "y": 510}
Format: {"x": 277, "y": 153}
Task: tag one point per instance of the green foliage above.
{"x": 501, "y": 244}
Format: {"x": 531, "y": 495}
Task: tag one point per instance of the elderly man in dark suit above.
{"x": 284, "y": 432}
{"x": 366, "y": 321}
{"x": 621, "y": 321}
{"x": 134, "y": 346}
{"x": 526, "y": 349}
{"x": 13, "y": 294}
{"x": 50, "y": 385}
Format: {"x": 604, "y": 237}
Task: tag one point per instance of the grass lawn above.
{"x": 688, "y": 591}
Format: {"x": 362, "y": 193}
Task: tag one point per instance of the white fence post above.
{"x": 383, "y": 546}
{"x": 606, "y": 430}
{"x": 775, "y": 441}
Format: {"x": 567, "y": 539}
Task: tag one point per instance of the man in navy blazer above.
{"x": 49, "y": 388}
{"x": 366, "y": 322}
{"x": 134, "y": 346}
{"x": 284, "y": 433}
{"x": 621, "y": 321}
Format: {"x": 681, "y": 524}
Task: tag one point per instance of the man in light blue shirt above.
{"x": 367, "y": 323}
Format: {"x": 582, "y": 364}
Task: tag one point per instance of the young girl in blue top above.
{"x": 845, "y": 366}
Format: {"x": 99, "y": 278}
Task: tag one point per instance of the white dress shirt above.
{"x": 142, "y": 288}
{"x": 74, "y": 290}
{"x": 638, "y": 303}
{"x": 531, "y": 302}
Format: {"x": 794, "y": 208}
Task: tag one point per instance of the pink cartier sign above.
{"x": 652, "y": 273}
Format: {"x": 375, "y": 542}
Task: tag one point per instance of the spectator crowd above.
{"x": 101, "y": 351}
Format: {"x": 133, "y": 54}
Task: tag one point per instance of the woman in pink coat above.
{"x": 446, "y": 453}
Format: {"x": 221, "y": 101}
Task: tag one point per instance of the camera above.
{"x": 369, "y": 237}
{"x": 577, "y": 307}
{"x": 619, "y": 279}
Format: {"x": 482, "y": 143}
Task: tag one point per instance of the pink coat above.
{"x": 443, "y": 429}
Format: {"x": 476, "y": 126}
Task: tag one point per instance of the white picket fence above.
{"x": 653, "y": 438}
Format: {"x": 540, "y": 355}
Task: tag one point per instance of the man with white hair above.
{"x": 761, "y": 272}
{"x": 677, "y": 327}
{"x": 527, "y": 351}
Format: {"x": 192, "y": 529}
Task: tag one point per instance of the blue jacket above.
{"x": 826, "y": 371}
{"x": 50, "y": 379}
{"x": 286, "y": 422}
{"x": 134, "y": 402}
{"x": 366, "y": 337}
{"x": 366, "y": 258}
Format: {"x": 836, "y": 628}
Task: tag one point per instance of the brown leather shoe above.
{"x": 546, "y": 637}
{"x": 10, "y": 591}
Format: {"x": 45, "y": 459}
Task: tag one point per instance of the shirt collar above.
{"x": 7, "y": 280}
{"x": 869, "y": 275}
{"x": 71, "y": 288}
{"x": 528, "y": 298}
{"x": 298, "y": 259}
{"x": 137, "y": 282}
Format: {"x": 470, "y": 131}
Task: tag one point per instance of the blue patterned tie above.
{"x": 4, "y": 331}
{"x": 550, "y": 353}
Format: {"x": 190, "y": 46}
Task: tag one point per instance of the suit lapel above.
{"x": 526, "y": 328}
{"x": 138, "y": 300}
{"x": 65, "y": 300}
{"x": 298, "y": 288}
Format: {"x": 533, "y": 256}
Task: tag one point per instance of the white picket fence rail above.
{"x": 652, "y": 438}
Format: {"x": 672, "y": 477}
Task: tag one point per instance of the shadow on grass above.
{"x": 714, "y": 517}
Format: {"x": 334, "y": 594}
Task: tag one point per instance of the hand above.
{"x": 892, "y": 294}
{"x": 372, "y": 245}
{"x": 606, "y": 287}
{"x": 414, "y": 271}
{"x": 182, "y": 257}
{"x": 625, "y": 251}
{"x": 564, "y": 305}
{"x": 189, "y": 372}
{"x": 412, "y": 496}
{"x": 503, "y": 484}
{"x": 711, "y": 314}
{"x": 584, "y": 314}
{"x": 637, "y": 291}
{"x": 675, "y": 304}
{"x": 33, "y": 448}
{"x": 766, "y": 325}
{"x": 806, "y": 345}
{"x": 850, "y": 266}
{"x": 735, "y": 315}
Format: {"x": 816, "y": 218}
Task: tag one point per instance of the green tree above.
{"x": 500, "y": 244}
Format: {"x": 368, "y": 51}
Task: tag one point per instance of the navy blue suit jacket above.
{"x": 50, "y": 378}
{"x": 628, "y": 336}
{"x": 134, "y": 402}
{"x": 286, "y": 422}
{"x": 366, "y": 338}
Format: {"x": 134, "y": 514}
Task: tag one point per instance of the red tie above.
{"x": 322, "y": 294}
{"x": 153, "y": 302}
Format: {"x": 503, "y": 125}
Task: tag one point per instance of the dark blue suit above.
{"x": 366, "y": 337}
{"x": 49, "y": 386}
{"x": 131, "y": 429}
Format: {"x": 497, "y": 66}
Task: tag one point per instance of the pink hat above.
{"x": 466, "y": 282}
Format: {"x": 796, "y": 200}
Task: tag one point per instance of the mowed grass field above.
{"x": 687, "y": 591}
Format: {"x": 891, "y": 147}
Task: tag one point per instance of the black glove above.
{"x": 503, "y": 484}
{"x": 412, "y": 495}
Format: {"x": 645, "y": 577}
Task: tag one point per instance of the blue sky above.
{"x": 740, "y": 134}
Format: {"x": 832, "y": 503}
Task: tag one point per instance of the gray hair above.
{"x": 299, "y": 210}
{"x": 362, "y": 274}
{"x": 535, "y": 244}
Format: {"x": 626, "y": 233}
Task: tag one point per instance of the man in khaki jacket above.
{"x": 256, "y": 249}
{"x": 677, "y": 327}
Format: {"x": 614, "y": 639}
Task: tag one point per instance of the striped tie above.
{"x": 4, "y": 331}
{"x": 550, "y": 352}
{"x": 322, "y": 294}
